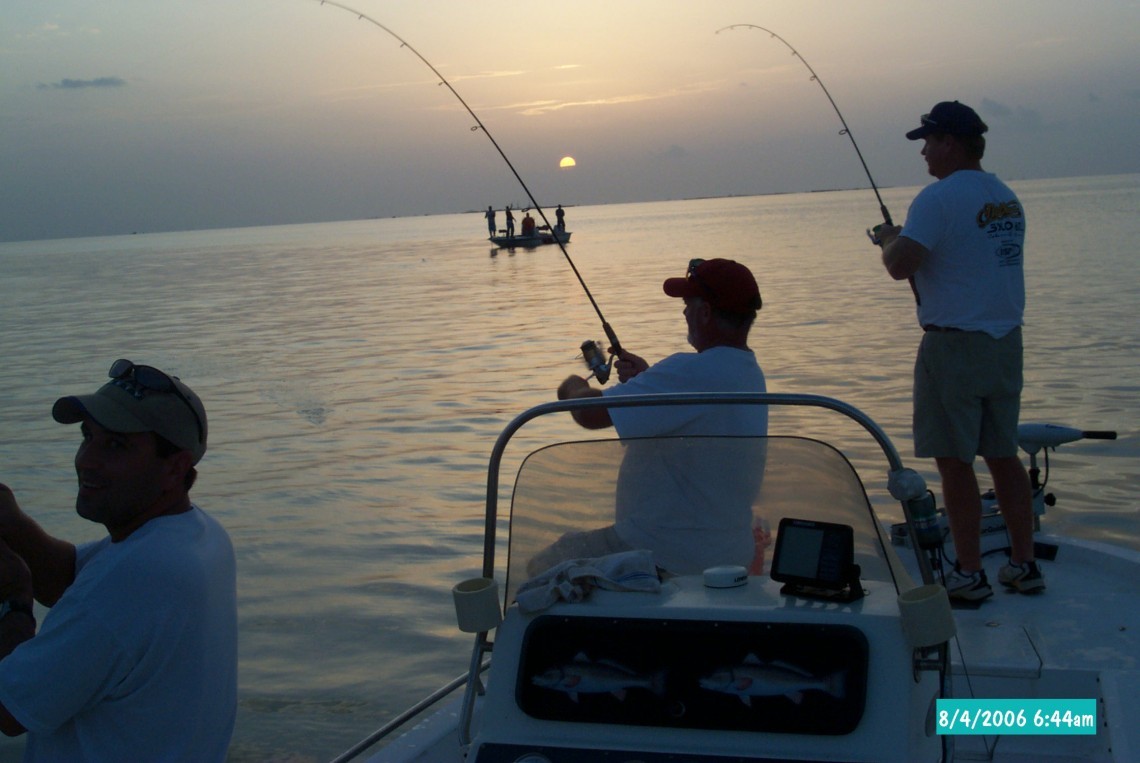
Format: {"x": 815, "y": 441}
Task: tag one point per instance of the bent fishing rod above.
{"x": 845, "y": 131}
{"x": 871, "y": 233}
{"x": 600, "y": 368}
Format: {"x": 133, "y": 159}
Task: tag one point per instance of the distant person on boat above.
{"x": 510, "y": 223}
{"x": 137, "y": 657}
{"x": 962, "y": 244}
{"x": 490, "y": 215}
{"x": 560, "y": 216}
{"x": 528, "y": 225}
{"x": 675, "y": 517}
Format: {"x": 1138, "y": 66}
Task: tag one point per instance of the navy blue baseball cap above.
{"x": 950, "y": 117}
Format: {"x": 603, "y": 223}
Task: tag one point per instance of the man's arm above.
{"x": 16, "y": 625}
{"x": 51, "y": 560}
{"x": 575, "y": 387}
{"x": 902, "y": 256}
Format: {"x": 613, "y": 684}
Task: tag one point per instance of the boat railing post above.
{"x": 474, "y": 688}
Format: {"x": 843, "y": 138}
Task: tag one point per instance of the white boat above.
{"x": 540, "y": 237}
{"x": 834, "y": 644}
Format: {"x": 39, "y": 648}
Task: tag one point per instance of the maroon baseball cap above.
{"x": 725, "y": 284}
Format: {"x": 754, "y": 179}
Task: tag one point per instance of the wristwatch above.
{"x": 15, "y": 605}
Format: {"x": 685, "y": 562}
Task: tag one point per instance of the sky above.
{"x": 121, "y": 116}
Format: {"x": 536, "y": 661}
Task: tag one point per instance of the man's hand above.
{"x": 573, "y": 387}
{"x": 628, "y": 365}
{"x": 882, "y": 235}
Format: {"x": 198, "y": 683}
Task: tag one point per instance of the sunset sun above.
{"x": 567, "y": 161}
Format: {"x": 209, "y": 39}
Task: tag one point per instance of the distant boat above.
{"x": 538, "y": 238}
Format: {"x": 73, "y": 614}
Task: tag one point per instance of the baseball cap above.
{"x": 725, "y": 284}
{"x": 141, "y": 399}
{"x": 949, "y": 117}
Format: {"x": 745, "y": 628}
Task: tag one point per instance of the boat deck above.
{"x": 1058, "y": 643}
{"x": 1055, "y": 644}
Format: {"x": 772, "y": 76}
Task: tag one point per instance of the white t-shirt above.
{"x": 974, "y": 227}
{"x": 717, "y": 369}
{"x": 689, "y": 501}
{"x": 138, "y": 659}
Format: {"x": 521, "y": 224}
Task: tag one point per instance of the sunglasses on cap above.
{"x": 691, "y": 274}
{"x": 150, "y": 378}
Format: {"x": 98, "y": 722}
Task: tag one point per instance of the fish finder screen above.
{"x": 813, "y": 553}
{"x": 801, "y": 552}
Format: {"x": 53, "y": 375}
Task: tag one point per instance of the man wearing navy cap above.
{"x": 137, "y": 656}
{"x": 962, "y": 245}
{"x": 686, "y": 530}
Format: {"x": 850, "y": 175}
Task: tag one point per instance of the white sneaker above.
{"x": 968, "y": 586}
{"x": 1024, "y": 577}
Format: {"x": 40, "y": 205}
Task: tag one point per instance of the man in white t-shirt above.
{"x": 690, "y": 504}
{"x": 962, "y": 246}
{"x": 137, "y": 657}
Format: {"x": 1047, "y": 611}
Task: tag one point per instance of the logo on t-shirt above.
{"x": 1005, "y": 226}
{"x": 994, "y": 213}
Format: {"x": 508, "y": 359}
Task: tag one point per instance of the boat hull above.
{"x": 540, "y": 238}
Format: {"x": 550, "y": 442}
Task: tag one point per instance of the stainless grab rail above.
{"x": 407, "y": 715}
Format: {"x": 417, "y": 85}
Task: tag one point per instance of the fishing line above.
{"x": 479, "y": 126}
{"x": 845, "y": 131}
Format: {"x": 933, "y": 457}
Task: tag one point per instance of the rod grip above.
{"x": 610, "y": 335}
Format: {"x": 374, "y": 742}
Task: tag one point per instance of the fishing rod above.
{"x": 845, "y": 131}
{"x": 591, "y": 350}
{"x": 872, "y": 233}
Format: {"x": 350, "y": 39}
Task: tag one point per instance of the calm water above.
{"x": 356, "y": 374}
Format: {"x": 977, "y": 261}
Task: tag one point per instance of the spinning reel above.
{"x": 596, "y": 361}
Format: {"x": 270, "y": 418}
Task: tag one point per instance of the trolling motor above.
{"x": 1041, "y": 438}
{"x": 930, "y": 524}
{"x": 596, "y": 360}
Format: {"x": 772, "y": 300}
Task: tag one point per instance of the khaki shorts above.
{"x": 967, "y": 395}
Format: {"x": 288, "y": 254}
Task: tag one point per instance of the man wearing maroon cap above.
{"x": 721, "y": 300}
{"x": 137, "y": 656}
{"x": 962, "y": 247}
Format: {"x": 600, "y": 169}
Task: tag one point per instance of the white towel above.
{"x": 573, "y": 580}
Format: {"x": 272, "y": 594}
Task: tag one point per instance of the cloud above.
{"x": 538, "y": 108}
{"x": 1021, "y": 118}
{"x": 673, "y": 153}
{"x": 487, "y": 75}
{"x": 84, "y": 84}
{"x": 996, "y": 109}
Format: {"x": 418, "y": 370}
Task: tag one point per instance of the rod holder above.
{"x": 477, "y": 605}
{"x": 926, "y": 617}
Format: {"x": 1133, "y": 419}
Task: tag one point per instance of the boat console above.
{"x": 747, "y": 651}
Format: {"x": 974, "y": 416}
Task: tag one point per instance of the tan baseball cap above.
{"x": 141, "y": 399}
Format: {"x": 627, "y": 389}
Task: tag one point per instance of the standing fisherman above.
{"x": 490, "y": 215}
{"x": 510, "y": 223}
{"x": 963, "y": 245}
